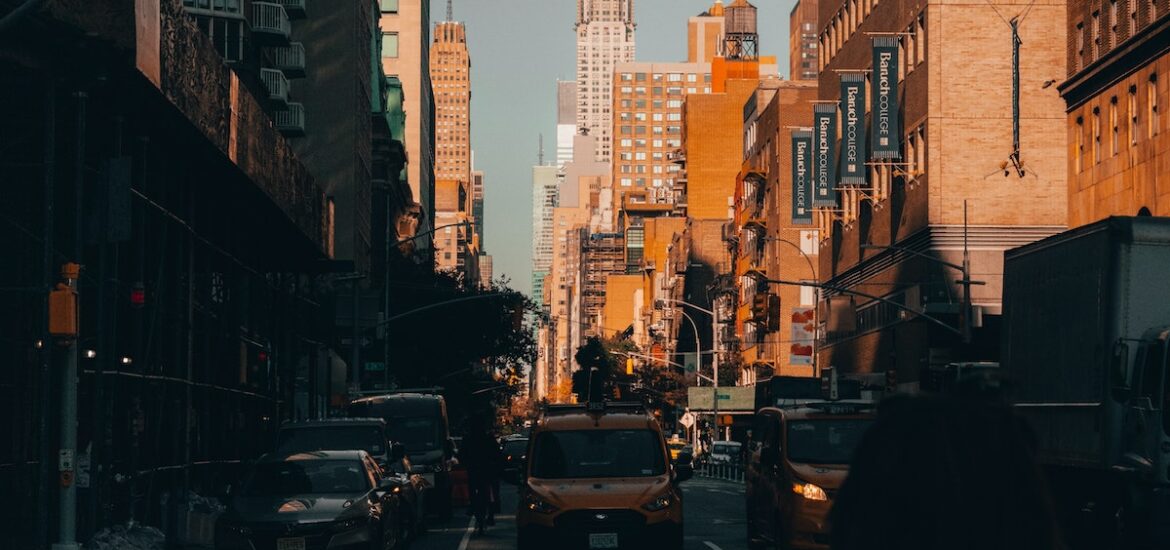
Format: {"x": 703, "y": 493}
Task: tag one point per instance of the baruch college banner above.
{"x": 801, "y": 170}
{"x": 824, "y": 154}
{"x": 885, "y": 98}
{"x": 853, "y": 129}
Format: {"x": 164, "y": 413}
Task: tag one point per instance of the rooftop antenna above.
{"x": 540, "y": 155}
{"x": 450, "y": 12}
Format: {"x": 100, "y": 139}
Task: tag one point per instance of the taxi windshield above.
{"x": 598, "y": 453}
{"x": 825, "y": 441}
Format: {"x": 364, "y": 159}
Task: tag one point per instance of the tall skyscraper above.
{"x": 605, "y": 37}
{"x": 802, "y": 41}
{"x": 451, "y": 80}
{"x": 406, "y": 38}
{"x": 544, "y": 200}
{"x": 566, "y": 120}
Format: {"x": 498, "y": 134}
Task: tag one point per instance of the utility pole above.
{"x": 67, "y": 526}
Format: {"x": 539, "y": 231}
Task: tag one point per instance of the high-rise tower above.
{"x": 456, "y": 247}
{"x": 605, "y": 37}
{"x": 451, "y": 80}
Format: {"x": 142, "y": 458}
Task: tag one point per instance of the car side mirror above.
{"x": 683, "y": 472}
{"x": 397, "y": 451}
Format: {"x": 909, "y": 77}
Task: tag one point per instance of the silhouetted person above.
{"x": 482, "y": 456}
{"x": 937, "y": 473}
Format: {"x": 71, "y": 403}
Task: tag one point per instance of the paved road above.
{"x": 714, "y": 516}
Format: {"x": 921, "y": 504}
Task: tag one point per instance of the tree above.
{"x": 472, "y": 342}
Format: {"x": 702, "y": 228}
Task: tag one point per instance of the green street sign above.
{"x": 375, "y": 366}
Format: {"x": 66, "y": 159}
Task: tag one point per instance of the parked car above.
{"x": 418, "y": 421}
{"x": 726, "y": 452}
{"x": 370, "y": 435}
{"x": 302, "y": 501}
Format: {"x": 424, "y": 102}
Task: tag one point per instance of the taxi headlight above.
{"x": 661, "y": 503}
{"x": 809, "y": 491}
{"x": 538, "y": 505}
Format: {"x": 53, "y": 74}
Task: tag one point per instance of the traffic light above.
{"x": 629, "y": 366}
{"x": 760, "y": 306}
{"x": 773, "y": 313}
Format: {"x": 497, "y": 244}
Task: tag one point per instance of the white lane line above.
{"x": 711, "y": 545}
{"x": 467, "y": 534}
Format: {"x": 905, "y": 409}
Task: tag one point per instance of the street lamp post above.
{"x": 816, "y": 314}
{"x": 714, "y": 359}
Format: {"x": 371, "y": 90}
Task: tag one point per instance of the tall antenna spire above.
{"x": 540, "y": 155}
{"x": 450, "y": 12}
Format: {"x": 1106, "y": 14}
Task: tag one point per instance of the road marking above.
{"x": 467, "y": 534}
{"x": 711, "y": 545}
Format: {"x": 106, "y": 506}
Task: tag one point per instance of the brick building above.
{"x": 945, "y": 176}
{"x": 1116, "y": 93}
{"x": 768, "y": 240}
{"x": 802, "y": 40}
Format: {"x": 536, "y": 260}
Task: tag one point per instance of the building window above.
{"x": 1113, "y": 20}
{"x": 1154, "y": 119}
{"x": 1096, "y": 134}
{"x": 1113, "y": 124}
{"x": 1133, "y": 115}
{"x": 1080, "y": 45}
{"x": 389, "y": 45}
{"x": 1080, "y": 152}
{"x": 389, "y": 6}
{"x": 1096, "y": 30}
{"x": 922, "y": 37}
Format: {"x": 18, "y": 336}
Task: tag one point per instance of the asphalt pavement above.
{"x": 714, "y": 521}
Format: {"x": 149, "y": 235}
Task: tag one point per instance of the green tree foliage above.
{"x": 472, "y": 342}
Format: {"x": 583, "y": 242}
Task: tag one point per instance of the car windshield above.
{"x": 825, "y": 441}
{"x": 332, "y": 438}
{"x": 516, "y": 447}
{"x": 416, "y": 433}
{"x": 598, "y": 453}
{"x": 306, "y": 477}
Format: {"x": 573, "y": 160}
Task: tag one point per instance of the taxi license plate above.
{"x": 291, "y": 544}
{"x": 603, "y": 540}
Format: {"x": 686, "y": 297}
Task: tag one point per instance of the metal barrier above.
{"x": 726, "y": 472}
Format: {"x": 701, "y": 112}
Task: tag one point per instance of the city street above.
{"x": 714, "y": 511}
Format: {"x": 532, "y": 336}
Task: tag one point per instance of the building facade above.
{"x": 1116, "y": 95}
{"x": 544, "y": 200}
{"x": 406, "y": 43}
{"x": 768, "y": 238}
{"x": 802, "y": 40}
{"x": 451, "y": 81}
{"x": 566, "y": 120}
{"x": 605, "y": 37}
{"x": 953, "y": 174}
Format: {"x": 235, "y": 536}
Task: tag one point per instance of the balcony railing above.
{"x": 290, "y": 60}
{"x": 277, "y": 86}
{"x": 291, "y": 122}
{"x": 294, "y": 8}
{"x": 270, "y": 24}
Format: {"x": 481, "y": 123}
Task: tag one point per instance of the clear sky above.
{"x": 519, "y": 49}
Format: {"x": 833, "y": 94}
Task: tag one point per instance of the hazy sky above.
{"x": 519, "y": 49}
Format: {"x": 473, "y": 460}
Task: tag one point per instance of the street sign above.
{"x": 687, "y": 419}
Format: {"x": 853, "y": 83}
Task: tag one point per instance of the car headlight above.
{"x": 661, "y": 503}
{"x": 809, "y": 491}
{"x": 538, "y": 505}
